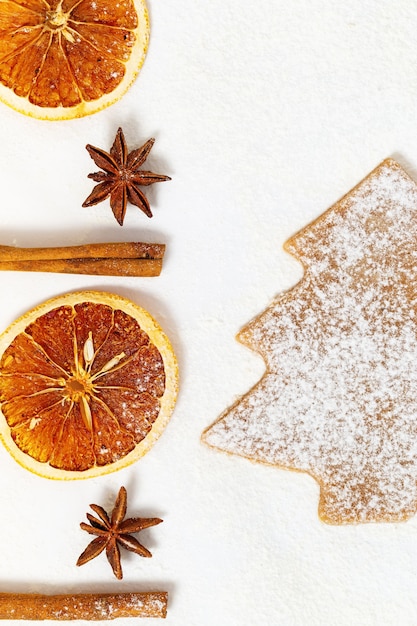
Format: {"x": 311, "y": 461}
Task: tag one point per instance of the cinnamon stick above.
{"x": 94, "y": 606}
{"x": 104, "y": 259}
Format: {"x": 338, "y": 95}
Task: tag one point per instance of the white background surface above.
{"x": 264, "y": 115}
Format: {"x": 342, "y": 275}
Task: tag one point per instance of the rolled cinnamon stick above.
{"x": 94, "y": 606}
{"x": 131, "y": 249}
{"x": 96, "y": 267}
{"x": 103, "y": 259}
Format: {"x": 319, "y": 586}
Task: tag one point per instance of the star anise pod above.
{"x": 122, "y": 178}
{"x": 114, "y": 531}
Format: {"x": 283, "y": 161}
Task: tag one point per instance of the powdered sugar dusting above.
{"x": 338, "y": 399}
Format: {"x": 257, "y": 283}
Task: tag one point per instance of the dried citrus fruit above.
{"x": 61, "y": 59}
{"x": 88, "y": 381}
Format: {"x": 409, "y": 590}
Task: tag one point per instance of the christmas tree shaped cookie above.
{"x": 338, "y": 399}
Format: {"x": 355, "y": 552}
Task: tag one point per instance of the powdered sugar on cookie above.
{"x": 339, "y": 396}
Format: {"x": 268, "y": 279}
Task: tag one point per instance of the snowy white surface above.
{"x": 264, "y": 115}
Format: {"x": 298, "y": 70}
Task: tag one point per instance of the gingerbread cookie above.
{"x": 338, "y": 399}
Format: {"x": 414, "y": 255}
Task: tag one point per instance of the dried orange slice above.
{"x": 88, "y": 381}
{"x": 61, "y": 59}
